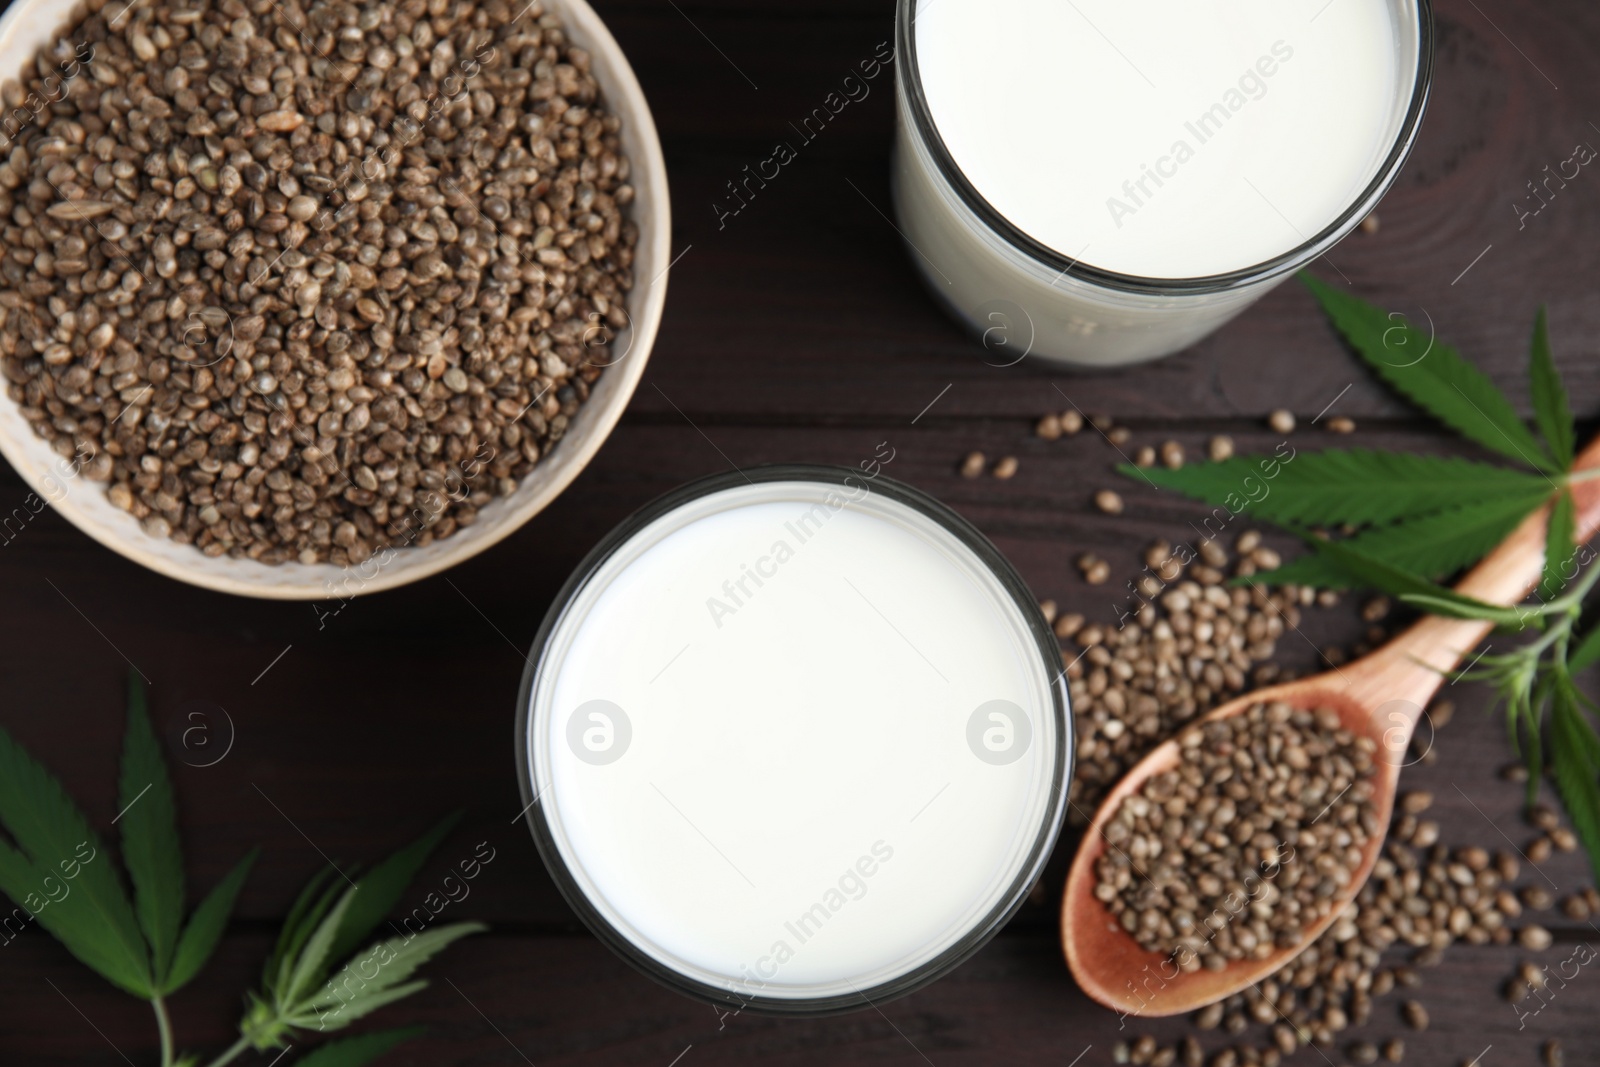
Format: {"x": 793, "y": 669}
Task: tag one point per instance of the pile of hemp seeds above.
{"x": 1196, "y": 642}
{"x": 302, "y": 282}
{"x": 1270, "y": 808}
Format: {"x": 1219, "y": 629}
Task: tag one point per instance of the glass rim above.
{"x": 1007, "y": 903}
{"x": 909, "y": 79}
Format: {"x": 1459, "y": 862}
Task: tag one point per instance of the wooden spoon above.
{"x": 1380, "y": 696}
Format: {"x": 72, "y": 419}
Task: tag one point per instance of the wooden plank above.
{"x": 806, "y": 302}
{"x": 353, "y": 731}
{"x": 796, "y": 332}
{"x": 567, "y": 1000}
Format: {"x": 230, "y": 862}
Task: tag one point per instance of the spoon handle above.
{"x": 1413, "y": 665}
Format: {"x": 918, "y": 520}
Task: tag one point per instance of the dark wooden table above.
{"x": 795, "y": 330}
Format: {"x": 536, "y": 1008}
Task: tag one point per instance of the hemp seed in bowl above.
{"x": 305, "y": 282}
{"x": 1248, "y": 840}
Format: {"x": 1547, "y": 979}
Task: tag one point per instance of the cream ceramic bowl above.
{"x": 29, "y": 25}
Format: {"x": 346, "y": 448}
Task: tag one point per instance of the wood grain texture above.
{"x": 796, "y": 332}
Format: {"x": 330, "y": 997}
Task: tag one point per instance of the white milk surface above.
{"x": 1169, "y": 138}
{"x": 793, "y": 808}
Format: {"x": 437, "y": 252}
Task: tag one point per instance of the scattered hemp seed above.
{"x": 1551, "y": 1054}
{"x": 1071, "y": 422}
{"x": 1096, "y": 571}
{"x": 1188, "y": 643}
{"x": 1119, "y": 435}
{"x": 1048, "y": 609}
{"x": 1415, "y": 803}
{"x": 1340, "y": 424}
{"x": 973, "y": 465}
{"x": 1534, "y": 938}
{"x": 1144, "y": 457}
{"x": 1006, "y": 468}
{"x": 1536, "y": 898}
{"x": 1108, "y": 501}
{"x": 1281, "y": 421}
{"x": 1284, "y": 1039}
{"x": 1220, "y": 447}
{"x": 1172, "y": 455}
{"x": 1049, "y": 427}
{"x": 1369, "y": 225}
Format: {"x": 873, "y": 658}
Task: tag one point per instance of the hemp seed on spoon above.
{"x": 1247, "y": 841}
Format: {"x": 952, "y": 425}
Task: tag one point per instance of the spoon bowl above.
{"x": 1381, "y": 697}
{"x": 1120, "y": 973}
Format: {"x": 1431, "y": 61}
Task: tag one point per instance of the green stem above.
{"x": 1558, "y": 629}
{"x": 164, "y": 1026}
{"x": 1572, "y": 599}
{"x": 233, "y": 1052}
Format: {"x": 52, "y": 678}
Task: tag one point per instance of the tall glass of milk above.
{"x": 1098, "y": 183}
{"x": 795, "y": 740}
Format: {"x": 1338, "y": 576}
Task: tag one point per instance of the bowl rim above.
{"x": 569, "y": 457}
